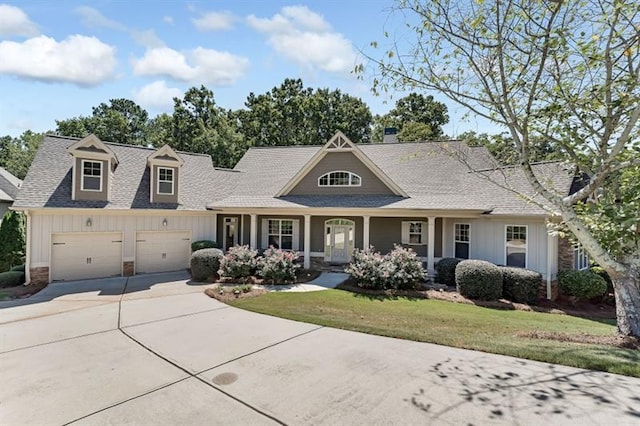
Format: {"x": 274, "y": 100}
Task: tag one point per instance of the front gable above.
{"x": 164, "y": 165}
{"x": 92, "y": 170}
{"x": 340, "y": 168}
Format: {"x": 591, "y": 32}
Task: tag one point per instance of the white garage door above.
{"x": 162, "y": 251}
{"x": 82, "y": 256}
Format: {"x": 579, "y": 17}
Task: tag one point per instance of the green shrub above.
{"x": 446, "y": 270}
{"x": 520, "y": 285}
{"x": 400, "y": 269}
{"x": 581, "y": 284}
{"x": 12, "y": 239}
{"x": 599, "y": 270}
{"x": 478, "y": 279}
{"x": 19, "y": 268}
{"x": 278, "y": 266}
{"x": 205, "y": 263}
{"x": 11, "y": 278}
{"x": 203, "y": 244}
{"x": 239, "y": 262}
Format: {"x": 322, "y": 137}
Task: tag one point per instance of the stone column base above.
{"x": 127, "y": 269}
{"x": 40, "y": 275}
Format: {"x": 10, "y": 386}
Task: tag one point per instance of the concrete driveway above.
{"x": 154, "y": 349}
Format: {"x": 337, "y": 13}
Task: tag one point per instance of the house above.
{"x": 97, "y": 209}
{"x": 9, "y": 186}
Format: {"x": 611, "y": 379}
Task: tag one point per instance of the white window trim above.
{"x": 295, "y": 233}
{"x": 526, "y": 245}
{"x": 406, "y": 234}
{"x": 455, "y": 241}
{"x": 580, "y": 252}
{"x": 328, "y": 175}
{"x": 173, "y": 180}
{"x": 82, "y": 175}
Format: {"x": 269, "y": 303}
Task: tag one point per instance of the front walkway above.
{"x": 324, "y": 281}
{"x": 153, "y": 349}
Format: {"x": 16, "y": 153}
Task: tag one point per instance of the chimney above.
{"x": 390, "y": 135}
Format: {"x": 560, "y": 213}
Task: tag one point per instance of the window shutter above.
{"x": 425, "y": 233}
{"x": 296, "y": 235}
{"x": 265, "y": 234}
{"x": 405, "y": 232}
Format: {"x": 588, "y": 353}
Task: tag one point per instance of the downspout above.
{"x": 27, "y": 260}
{"x": 550, "y": 241}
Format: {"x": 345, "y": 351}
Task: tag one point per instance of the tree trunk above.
{"x": 627, "y": 292}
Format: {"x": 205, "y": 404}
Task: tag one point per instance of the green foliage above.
{"x": 238, "y": 262}
{"x": 19, "y": 268}
{"x": 203, "y": 244}
{"x": 399, "y": 269}
{"x": 244, "y": 288}
{"x": 11, "y": 279}
{"x": 16, "y": 154}
{"x": 417, "y": 118}
{"x": 446, "y": 270}
{"x": 520, "y": 285}
{"x": 12, "y": 238}
{"x": 205, "y": 263}
{"x": 504, "y": 149}
{"x": 294, "y": 115}
{"x": 478, "y": 279}
{"x": 278, "y": 266}
{"x": 581, "y": 284}
{"x": 599, "y": 270}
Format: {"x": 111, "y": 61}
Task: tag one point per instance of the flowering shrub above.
{"x": 239, "y": 262}
{"x": 278, "y": 266}
{"x": 399, "y": 269}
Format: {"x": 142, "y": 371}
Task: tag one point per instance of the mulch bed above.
{"x": 618, "y": 341}
{"x": 20, "y": 291}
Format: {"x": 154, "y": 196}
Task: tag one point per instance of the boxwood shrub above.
{"x": 205, "y": 263}
{"x": 581, "y": 284}
{"x": 21, "y": 268}
{"x": 478, "y": 279}
{"x": 520, "y": 285}
{"x": 599, "y": 270}
{"x": 203, "y": 244}
{"x": 11, "y": 278}
{"x": 446, "y": 270}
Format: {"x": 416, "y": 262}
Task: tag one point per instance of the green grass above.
{"x": 453, "y": 324}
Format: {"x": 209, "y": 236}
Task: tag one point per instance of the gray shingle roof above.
{"x": 435, "y": 176}
{"x": 48, "y": 182}
{"x": 9, "y": 185}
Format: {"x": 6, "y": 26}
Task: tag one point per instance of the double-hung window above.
{"x": 165, "y": 181}
{"x": 414, "y": 233}
{"x": 580, "y": 258}
{"x": 280, "y": 233}
{"x": 91, "y": 176}
{"x": 461, "y": 240}
{"x": 516, "y": 246}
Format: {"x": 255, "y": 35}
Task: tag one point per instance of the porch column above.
{"x": 307, "y": 241}
{"x": 365, "y": 232}
{"x": 431, "y": 243}
{"x": 253, "y": 242}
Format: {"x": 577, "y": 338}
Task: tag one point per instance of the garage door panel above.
{"x": 162, "y": 251}
{"x": 83, "y": 256}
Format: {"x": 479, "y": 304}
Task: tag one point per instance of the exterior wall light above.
{"x": 165, "y": 223}
{"x": 89, "y": 223}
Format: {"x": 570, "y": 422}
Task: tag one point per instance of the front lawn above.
{"x": 457, "y": 325}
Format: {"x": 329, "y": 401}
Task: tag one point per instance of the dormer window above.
{"x": 339, "y": 178}
{"x": 165, "y": 181}
{"x": 91, "y": 176}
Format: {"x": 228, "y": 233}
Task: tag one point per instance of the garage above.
{"x": 162, "y": 251}
{"x": 76, "y": 256}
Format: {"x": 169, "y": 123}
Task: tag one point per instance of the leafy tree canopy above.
{"x": 16, "y": 154}
{"x": 416, "y": 117}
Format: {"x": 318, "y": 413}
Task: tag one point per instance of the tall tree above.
{"x": 296, "y": 115}
{"x": 416, "y": 117}
{"x": 562, "y": 71}
{"x": 121, "y": 120}
{"x": 12, "y": 240}
{"x": 16, "y": 154}
{"x": 504, "y": 149}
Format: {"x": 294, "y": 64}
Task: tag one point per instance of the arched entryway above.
{"x": 339, "y": 240}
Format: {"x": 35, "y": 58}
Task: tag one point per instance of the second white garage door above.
{"x": 162, "y": 251}
{"x": 76, "y": 256}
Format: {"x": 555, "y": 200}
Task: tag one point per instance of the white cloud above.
{"x": 81, "y": 60}
{"x": 199, "y": 65}
{"x": 306, "y": 38}
{"x": 167, "y": 19}
{"x": 214, "y": 21}
{"x": 156, "y": 95}
{"x": 146, "y": 38}
{"x": 14, "y": 22}
{"x": 91, "y": 18}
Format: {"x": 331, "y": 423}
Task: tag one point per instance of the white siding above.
{"x": 202, "y": 227}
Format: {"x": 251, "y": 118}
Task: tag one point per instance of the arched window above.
{"x": 339, "y": 178}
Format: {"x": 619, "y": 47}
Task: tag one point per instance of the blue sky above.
{"x": 60, "y": 58}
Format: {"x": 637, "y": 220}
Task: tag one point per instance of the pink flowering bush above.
{"x": 239, "y": 262}
{"x": 400, "y": 269}
{"x": 278, "y": 266}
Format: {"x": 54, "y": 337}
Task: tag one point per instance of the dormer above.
{"x": 164, "y": 166}
{"x": 92, "y": 171}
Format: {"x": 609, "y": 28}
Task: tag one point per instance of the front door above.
{"x": 230, "y": 232}
{"x": 339, "y": 241}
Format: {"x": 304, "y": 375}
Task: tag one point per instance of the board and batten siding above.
{"x": 488, "y": 241}
{"x": 202, "y": 227}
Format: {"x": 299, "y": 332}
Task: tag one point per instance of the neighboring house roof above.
{"x": 434, "y": 175}
{"x": 9, "y": 185}
{"x": 49, "y": 180}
